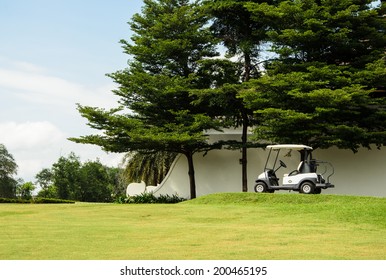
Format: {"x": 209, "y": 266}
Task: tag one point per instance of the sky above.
{"x": 53, "y": 55}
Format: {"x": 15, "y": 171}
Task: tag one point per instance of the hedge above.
{"x": 38, "y": 200}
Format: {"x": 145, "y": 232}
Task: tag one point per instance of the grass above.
{"x": 220, "y": 226}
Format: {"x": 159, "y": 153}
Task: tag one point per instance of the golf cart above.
{"x": 304, "y": 179}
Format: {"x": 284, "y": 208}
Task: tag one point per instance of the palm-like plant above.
{"x": 148, "y": 167}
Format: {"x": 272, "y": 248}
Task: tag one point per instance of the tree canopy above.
{"x": 70, "y": 179}
{"x": 325, "y": 61}
{"x": 171, "y": 38}
{"x": 319, "y": 90}
{"x": 8, "y": 168}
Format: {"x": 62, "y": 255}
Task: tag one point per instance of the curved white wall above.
{"x": 363, "y": 173}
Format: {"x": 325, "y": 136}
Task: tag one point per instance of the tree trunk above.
{"x": 247, "y": 67}
{"x": 244, "y": 161}
{"x": 245, "y": 121}
{"x": 192, "y": 180}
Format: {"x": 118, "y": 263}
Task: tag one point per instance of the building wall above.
{"x": 362, "y": 173}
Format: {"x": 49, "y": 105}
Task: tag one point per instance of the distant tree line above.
{"x": 71, "y": 179}
{"x": 67, "y": 179}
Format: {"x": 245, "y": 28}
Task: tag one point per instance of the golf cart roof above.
{"x": 289, "y": 146}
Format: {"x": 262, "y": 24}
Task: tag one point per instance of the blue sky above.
{"x": 54, "y": 54}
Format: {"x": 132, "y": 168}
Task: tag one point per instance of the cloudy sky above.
{"x": 54, "y": 54}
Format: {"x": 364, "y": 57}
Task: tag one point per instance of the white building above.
{"x": 361, "y": 173}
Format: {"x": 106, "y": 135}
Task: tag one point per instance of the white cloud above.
{"x": 31, "y": 83}
{"x": 38, "y": 113}
{"x": 29, "y": 135}
{"x": 37, "y": 145}
{"x": 43, "y": 89}
{"x": 33, "y": 144}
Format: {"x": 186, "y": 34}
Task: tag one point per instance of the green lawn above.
{"x": 221, "y": 226}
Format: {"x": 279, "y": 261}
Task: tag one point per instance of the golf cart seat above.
{"x": 303, "y": 167}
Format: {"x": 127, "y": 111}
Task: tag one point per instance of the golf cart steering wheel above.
{"x": 282, "y": 164}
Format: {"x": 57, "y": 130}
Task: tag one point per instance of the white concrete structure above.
{"x": 135, "y": 188}
{"x": 362, "y": 173}
{"x": 139, "y": 188}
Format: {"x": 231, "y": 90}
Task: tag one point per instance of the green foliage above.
{"x": 24, "y": 190}
{"x": 149, "y": 198}
{"x": 8, "y": 165}
{"x": 243, "y": 33}
{"x": 44, "y": 179}
{"x": 341, "y": 33}
{"x": 8, "y": 168}
{"x": 320, "y": 90}
{"x": 318, "y": 109}
{"x": 95, "y": 182}
{"x": 239, "y": 29}
{"x": 170, "y": 40}
{"x": 43, "y": 200}
{"x": 170, "y": 37}
{"x": 150, "y": 168}
{"x": 71, "y": 179}
{"x": 37, "y": 200}
{"x": 66, "y": 176}
{"x": 48, "y": 192}
{"x": 317, "y": 86}
{"x": 8, "y": 187}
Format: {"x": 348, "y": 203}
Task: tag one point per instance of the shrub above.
{"x": 149, "y": 198}
{"x": 38, "y": 200}
{"x": 170, "y": 199}
{"x": 51, "y": 200}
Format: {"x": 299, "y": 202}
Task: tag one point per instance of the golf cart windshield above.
{"x": 285, "y": 150}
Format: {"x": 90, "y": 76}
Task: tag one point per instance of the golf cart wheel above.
{"x": 307, "y": 188}
{"x": 261, "y": 187}
{"x": 318, "y": 191}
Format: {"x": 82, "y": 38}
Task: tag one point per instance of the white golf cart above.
{"x": 304, "y": 179}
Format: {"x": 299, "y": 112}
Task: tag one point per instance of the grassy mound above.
{"x": 341, "y": 208}
{"x": 291, "y": 199}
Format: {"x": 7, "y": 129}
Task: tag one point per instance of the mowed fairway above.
{"x": 221, "y": 226}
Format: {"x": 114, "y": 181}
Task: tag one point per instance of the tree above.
{"x": 350, "y": 33}
{"x": 8, "y": 168}
{"x": 150, "y": 168}
{"x": 24, "y": 190}
{"x": 170, "y": 42}
{"x": 241, "y": 27}
{"x": 45, "y": 180}
{"x": 320, "y": 90}
{"x": 66, "y": 177}
{"x": 95, "y": 182}
{"x": 69, "y": 178}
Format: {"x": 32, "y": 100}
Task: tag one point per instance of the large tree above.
{"x": 45, "y": 180}
{"x": 170, "y": 42}
{"x": 8, "y": 168}
{"x": 241, "y": 27}
{"x": 96, "y": 183}
{"x": 321, "y": 89}
{"x": 66, "y": 177}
